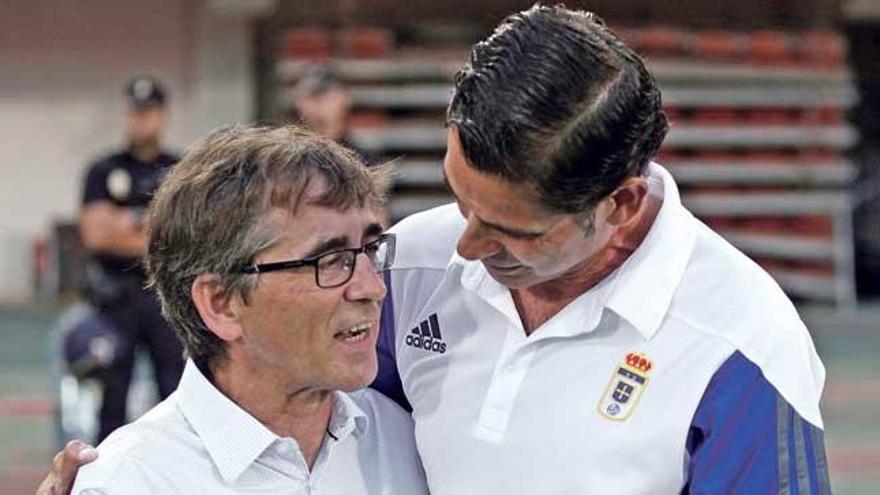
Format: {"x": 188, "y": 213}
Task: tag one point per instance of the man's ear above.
{"x": 628, "y": 200}
{"x": 216, "y": 307}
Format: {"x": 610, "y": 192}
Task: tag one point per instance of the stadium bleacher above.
{"x": 758, "y": 138}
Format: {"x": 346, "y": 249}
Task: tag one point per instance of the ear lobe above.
{"x": 628, "y": 200}
{"x": 216, "y": 307}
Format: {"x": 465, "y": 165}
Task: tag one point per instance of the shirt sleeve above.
{"x": 746, "y": 438}
{"x": 388, "y": 379}
{"x": 95, "y": 188}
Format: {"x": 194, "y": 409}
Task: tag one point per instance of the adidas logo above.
{"x": 427, "y": 336}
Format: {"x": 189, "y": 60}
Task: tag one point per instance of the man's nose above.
{"x": 366, "y": 283}
{"x": 476, "y": 242}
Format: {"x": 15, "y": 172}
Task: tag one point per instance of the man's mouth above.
{"x": 501, "y": 267}
{"x": 354, "y": 334}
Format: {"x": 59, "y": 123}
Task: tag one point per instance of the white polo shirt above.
{"x": 197, "y": 441}
{"x": 602, "y": 398}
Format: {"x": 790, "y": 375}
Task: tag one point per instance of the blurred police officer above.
{"x": 117, "y": 191}
{"x": 323, "y": 104}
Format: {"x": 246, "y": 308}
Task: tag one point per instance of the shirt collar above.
{"x": 233, "y": 438}
{"x": 650, "y": 276}
{"x": 347, "y": 418}
{"x": 639, "y": 291}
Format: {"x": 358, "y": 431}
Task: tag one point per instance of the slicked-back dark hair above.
{"x": 554, "y": 99}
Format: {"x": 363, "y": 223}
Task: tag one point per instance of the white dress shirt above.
{"x": 197, "y": 441}
{"x": 601, "y": 398}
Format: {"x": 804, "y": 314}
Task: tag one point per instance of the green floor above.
{"x": 849, "y": 343}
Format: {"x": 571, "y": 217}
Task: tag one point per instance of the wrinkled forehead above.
{"x": 314, "y": 187}
{"x": 312, "y": 225}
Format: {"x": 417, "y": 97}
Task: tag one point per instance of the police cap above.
{"x": 145, "y": 92}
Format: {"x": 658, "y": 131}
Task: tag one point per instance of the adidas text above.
{"x": 427, "y": 336}
{"x": 426, "y": 343}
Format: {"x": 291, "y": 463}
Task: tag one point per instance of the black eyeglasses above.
{"x": 335, "y": 268}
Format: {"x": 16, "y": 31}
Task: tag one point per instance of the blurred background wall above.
{"x": 63, "y": 64}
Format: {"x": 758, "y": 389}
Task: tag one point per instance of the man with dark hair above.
{"x": 577, "y": 118}
{"x": 117, "y": 190}
{"x": 590, "y": 335}
{"x": 264, "y": 246}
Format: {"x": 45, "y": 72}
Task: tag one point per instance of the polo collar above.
{"x": 233, "y": 438}
{"x": 347, "y": 418}
{"x": 649, "y": 278}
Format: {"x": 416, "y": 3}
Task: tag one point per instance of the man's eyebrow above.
{"x": 511, "y": 231}
{"x": 338, "y": 242}
{"x": 500, "y": 228}
{"x": 341, "y": 242}
{"x": 373, "y": 230}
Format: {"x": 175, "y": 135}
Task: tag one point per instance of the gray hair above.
{"x": 207, "y": 216}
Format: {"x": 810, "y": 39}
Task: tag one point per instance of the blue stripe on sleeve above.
{"x": 388, "y": 379}
{"x": 745, "y": 438}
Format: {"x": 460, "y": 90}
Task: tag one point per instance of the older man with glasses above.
{"x": 266, "y": 249}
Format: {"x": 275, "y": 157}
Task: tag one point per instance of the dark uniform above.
{"x": 128, "y": 315}
{"x": 116, "y": 286}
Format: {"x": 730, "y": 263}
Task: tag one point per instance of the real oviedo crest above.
{"x": 626, "y": 387}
